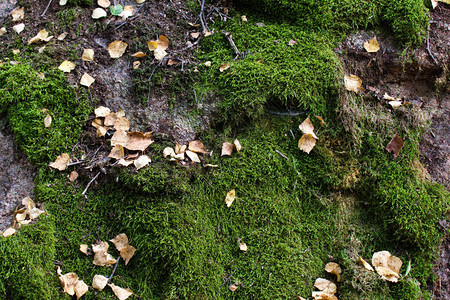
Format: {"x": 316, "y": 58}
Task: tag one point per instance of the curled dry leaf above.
{"x": 110, "y": 119}
{"x": 117, "y": 48}
{"x": 19, "y": 28}
{"x": 120, "y": 241}
{"x": 84, "y": 248}
{"x": 17, "y": 14}
{"x": 142, "y": 161}
{"x": 103, "y": 259}
{"x": 237, "y": 144}
{"x": 325, "y": 285}
{"x": 231, "y": 195}
{"x": 136, "y": 64}
{"x": 80, "y": 288}
{"x": 124, "y": 163}
{"x": 193, "y": 156}
{"x": 387, "y": 265}
{"x": 120, "y": 293}
{"x": 42, "y": 35}
{"x": 233, "y": 287}
{"x": 88, "y": 55}
{"x": 307, "y": 127}
{"x": 323, "y": 296}
{"x": 244, "y": 18}
{"x": 195, "y": 35}
{"x": 159, "y": 47}
{"x": 68, "y": 282}
{"x": 138, "y": 141}
{"x": 99, "y": 13}
{"x": 35, "y": 212}
{"x": 117, "y": 152}
{"x": 168, "y": 151}
{"x": 352, "y": 83}
{"x": 395, "y": 145}
{"x": 104, "y": 3}
{"x": 62, "y": 36}
{"x": 334, "y": 268}
{"x": 67, "y": 66}
{"x": 365, "y": 264}
{"x": 99, "y": 282}
{"x": 87, "y": 80}
{"x": 197, "y": 146}
{"x": 243, "y": 247}
{"x": 47, "y": 121}
{"x": 223, "y": 67}
{"x": 227, "y": 149}
{"x": 322, "y": 122}
{"x": 180, "y": 149}
{"x": 127, "y": 253}
{"x": 61, "y": 162}
{"x": 395, "y": 104}
{"x": 120, "y": 113}
{"x": 102, "y": 111}
{"x": 128, "y": 11}
{"x": 140, "y": 1}
{"x": 372, "y": 45}
{"x": 8, "y": 232}
{"x": 3, "y": 31}
{"x": 139, "y": 54}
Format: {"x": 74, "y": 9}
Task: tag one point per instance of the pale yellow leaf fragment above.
{"x": 142, "y": 161}
{"x": 67, "y": 66}
{"x": 168, "y": 151}
{"x": 139, "y": 54}
{"x": 120, "y": 241}
{"x": 62, "y": 36}
{"x": 120, "y": 137}
{"x": 98, "y": 13}
{"x": 160, "y": 54}
{"x": 365, "y": 264}
{"x": 68, "y": 282}
{"x": 180, "y": 149}
{"x": 42, "y": 35}
{"x": 224, "y": 67}
{"x": 103, "y": 259}
{"x": 100, "y": 246}
{"x": 102, "y": 111}
{"x": 193, "y": 156}
{"x": 208, "y": 63}
{"x": 62, "y": 2}
{"x": 122, "y": 124}
{"x": 19, "y": 28}
{"x": 124, "y": 163}
{"x": 120, "y": 113}
{"x": 307, "y": 127}
{"x": 237, "y": 144}
{"x": 434, "y": 3}
{"x": 87, "y": 80}
{"x": 243, "y": 247}
{"x": 21, "y": 216}
{"x": 117, "y": 48}
{"x": 395, "y": 104}
{"x": 61, "y": 162}
{"x": 211, "y": 166}
{"x": 47, "y": 121}
{"x": 110, "y": 119}
{"x": 3, "y": 31}
{"x": 444, "y": 1}
{"x": 231, "y": 195}
{"x": 127, "y": 12}
{"x": 138, "y": 141}
{"x": 117, "y": 152}
{"x": 99, "y": 282}
{"x": 227, "y": 149}
{"x": 159, "y": 46}
{"x": 120, "y": 293}
{"x": 88, "y": 55}
{"x": 17, "y": 14}
{"x": 325, "y": 285}
{"x": 334, "y": 268}
{"x": 80, "y": 288}
{"x": 195, "y": 35}
{"x": 372, "y": 45}
{"x": 35, "y": 212}
{"x": 353, "y": 83}
{"x": 233, "y": 287}
{"x": 84, "y": 248}
{"x": 140, "y": 1}
{"x": 101, "y": 131}
{"x": 127, "y": 253}
{"x": 104, "y": 3}
{"x": 306, "y": 143}
{"x": 322, "y": 295}
{"x": 8, "y": 232}
{"x": 292, "y": 42}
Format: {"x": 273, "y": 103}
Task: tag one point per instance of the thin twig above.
{"x": 75, "y": 163}
{"x": 281, "y": 154}
{"x": 225, "y": 281}
{"x": 201, "y": 15}
{"x": 89, "y": 184}
{"x": 48, "y": 5}
{"x": 114, "y": 270}
{"x": 428, "y": 45}
{"x": 229, "y": 37}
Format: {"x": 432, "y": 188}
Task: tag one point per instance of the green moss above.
{"x": 23, "y": 96}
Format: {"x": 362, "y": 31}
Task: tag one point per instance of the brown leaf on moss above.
{"x": 139, "y": 54}
{"x": 47, "y": 121}
{"x": 387, "y": 265}
{"x": 117, "y": 48}
{"x": 227, "y": 149}
{"x": 237, "y": 144}
{"x": 61, "y": 162}
{"x": 224, "y": 67}
{"x": 68, "y": 282}
{"x": 99, "y": 282}
{"x": 67, "y": 66}
{"x": 180, "y": 149}
{"x": 193, "y": 156}
{"x": 117, "y": 152}
{"x": 365, "y": 264}
{"x": 325, "y": 285}
{"x": 102, "y": 111}
{"x": 120, "y": 293}
{"x": 87, "y": 80}
{"x": 127, "y": 253}
{"x": 84, "y": 249}
{"x": 110, "y": 119}
{"x": 17, "y": 14}
{"x": 8, "y": 232}
{"x": 306, "y": 143}
{"x": 139, "y": 141}
{"x": 243, "y": 247}
{"x": 80, "y": 288}
{"x": 142, "y": 161}
{"x": 353, "y": 83}
{"x": 88, "y": 55}
{"x": 120, "y": 241}
{"x": 197, "y": 146}
{"x": 233, "y": 287}
{"x": 229, "y": 199}
{"x": 334, "y": 268}
{"x": 395, "y": 145}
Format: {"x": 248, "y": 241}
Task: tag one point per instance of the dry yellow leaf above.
{"x": 434, "y": 3}
{"x": 103, "y": 259}
{"x": 365, "y": 264}
{"x": 124, "y": 163}
{"x": 16, "y": 51}
{"x": 195, "y": 35}
{"x": 387, "y": 265}
{"x": 100, "y": 246}
{"x": 80, "y": 288}
{"x": 323, "y": 296}
{"x": 102, "y": 111}
{"x": 122, "y": 124}
{"x": 152, "y": 45}
{"x": 159, "y": 54}
{"x": 237, "y": 144}
{"x": 306, "y": 143}
{"x": 140, "y": 1}
{"x": 208, "y": 63}
{"x": 21, "y": 215}
{"x": 87, "y": 80}
{"x": 243, "y": 247}
{"x": 136, "y": 64}
{"x": 244, "y": 18}
{"x": 120, "y": 293}
{"x": 35, "y": 212}
{"x": 84, "y": 248}
{"x": 17, "y": 14}
{"x": 47, "y": 121}
{"x": 8, "y": 232}
{"x": 197, "y": 146}
{"x": 325, "y": 285}
{"x": 127, "y": 11}
{"x": 231, "y": 195}
{"x": 67, "y": 66}
{"x": 120, "y": 137}
{"x": 233, "y": 287}
{"x": 168, "y": 151}
{"x": 352, "y": 83}
{"x": 61, "y": 162}
{"x": 395, "y": 104}
{"x": 101, "y": 131}
{"x": 307, "y": 127}
{"x": 28, "y": 203}
{"x": 98, "y": 13}
{"x": 120, "y": 113}
{"x": 334, "y": 268}
{"x": 292, "y": 42}
{"x": 127, "y": 253}
{"x": 104, "y": 3}
{"x": 142, "y": 161}
{"x": 193, "y": 156}
{"x": 42, "y": 35}
{"x": 180, "y": 149}
{"x": 62, "y": 2}
{"x": 223, "y": 67}
{"x": 110, "y": 119}
{"x": 99, "y": 282}
{"x": 117, "y": 152}
{"x": 19, "y": 28}
{"x": 88, "y": 55}
{"x": 159, "y": 46}
{"x": 227, "y": 149}
{"x": 372, "y": 45}
{"x": 117, "y": 48}
{"x": 322, "y": 122}
{"x": 68, "y": 282}
{"x": 120, "y": 241}
{"x": 62, "y": 36}
{"x": 139, "y": 54}
{"x": 3, "y": 31}
{"x": 138, "y": 141}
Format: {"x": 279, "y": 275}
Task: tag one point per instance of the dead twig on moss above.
{"x": 89, "y": 184}
{"x": 114, "y": 270}
{"x": 201, "y": 15}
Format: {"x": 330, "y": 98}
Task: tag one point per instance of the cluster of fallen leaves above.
{"x": 23, "y": 216}
{"x": 73, "y": 286}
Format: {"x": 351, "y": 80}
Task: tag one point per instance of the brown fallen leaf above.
{"x": 3, "y": 31}
{"x": 231, "y": 195}
{"x": 47, "y": 121}
{"x": 122, "y": 124}
{"x": 73, "y": 176}
{"x": 193, "y": 156}
{"x": 127, "y": 12}
{"x": 117, "y": 48}
{"x": 142, "y": 161}
{"x": 323, "y": 296}
{"x": 88, "y": 55}
{"x": 353, "y": 83}
{"x": 62, "y": 36}
{"x": 227, "y": 149}
{"x": 195, "y": 35}
{"x": 197, "y": 146}
{"x": 292, "y": 42}
{"x": 387, "y": 265}
{"x": 61, "y": 162}
{"x": 110, "y": 119}
{"x": 87, "y": 80}
{"x": 307, "y": 127}
{"x": 139, "y": 54}
{"x": 104, "y": 3}
{"x": 127, "y": 253}
{"x": 243, "y": 247}
{"x": 42, "y": 35}
{"x": 365, "y": 264}
{"x": 19, "y": 28}
{"x": 159, "y": 47}
{"x": 120, "y": 241}
{"x": 334, "y": 268}
{"x": 84, "y": 249}
{"x": 325, "y": 285}
{"x": 372, "y": 45}
{"x": 306, "y": 143}
{"x": 99, "y": 282}
{"x": 395, "y": 145}
{"x": 103, "y": 259}
{"x": 120, "y": 293}
{"x": 138, "y": 141}
{"x": 8, "y": 232}
{"x": 125, "y": 163}
{"x": 136, "y": 64}
{"x": 80, "y": 288}
{"x": 98, "y": 13}
{"x": 322, "y": 122}
{"x": 224, "y": 67}
{"x": 237, "y": 144}
{"x": 117, "y": 152}
{"x": 168, "y": 151}
{"x": 120, "y": 137}
{"x": 67, "y": 66}
{"x": 68, "y": 282}
{"x": 233, "y": 287}
{"x": 17, "y": 14}
{"x": 102, "y": 111}
{"x": 180, "y": 149}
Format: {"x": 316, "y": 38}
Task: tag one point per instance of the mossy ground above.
{"x": 346, "y": 199}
